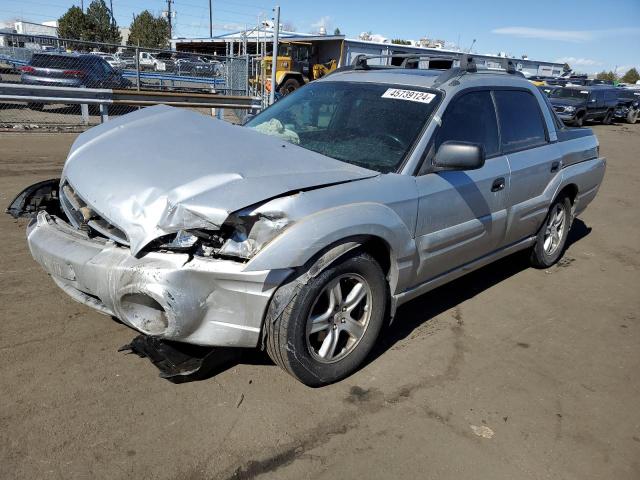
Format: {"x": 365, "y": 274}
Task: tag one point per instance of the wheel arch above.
{"x": 570, "y": 190}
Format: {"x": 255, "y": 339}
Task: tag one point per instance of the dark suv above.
{"x": 576, "y": 104}
{"x": 71, "y": 70}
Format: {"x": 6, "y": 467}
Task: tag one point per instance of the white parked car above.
{"x": 112, "y": 60}
{"x": 160, "y": 62}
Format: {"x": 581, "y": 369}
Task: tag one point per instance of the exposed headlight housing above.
{"x": 183, "y": 240}
{"x": 243, "y": 235}
{"x": 251, "y": 232}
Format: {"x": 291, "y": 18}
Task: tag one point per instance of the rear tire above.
{"x": 608, "y": 118}
{"x": 330, "y": 323}
{"x": 552, "y": 237}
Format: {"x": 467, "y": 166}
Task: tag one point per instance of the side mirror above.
{"x": 459, "y": 156}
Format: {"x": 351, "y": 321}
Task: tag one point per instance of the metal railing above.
{"x": 36, "y": 96}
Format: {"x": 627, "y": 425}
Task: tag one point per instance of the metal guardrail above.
{"x": 173, "y": 77}
{"x": 41, "y": 94}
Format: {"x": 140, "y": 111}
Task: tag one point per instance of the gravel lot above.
{"x": 510, "y": 373}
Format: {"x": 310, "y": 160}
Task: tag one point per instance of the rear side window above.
{"x": 470, "y": 118}
{"x": 521, "y": 122}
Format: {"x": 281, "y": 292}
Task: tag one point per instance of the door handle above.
{"x": 555, "y": 166}
{"x": 498, "y": 184}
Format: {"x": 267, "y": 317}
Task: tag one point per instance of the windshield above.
{"x": 569, "y": 93}
{"x": 369, "y": 125}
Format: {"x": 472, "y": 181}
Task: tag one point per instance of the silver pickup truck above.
{"x": 303, "y": 230}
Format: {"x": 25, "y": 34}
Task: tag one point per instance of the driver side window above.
{"x": 470, "y": 118}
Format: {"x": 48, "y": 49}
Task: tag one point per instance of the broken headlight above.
{"x": 185, "y": 240}
{"x": 251, "y": 232}
{"x": 181, "y": 241}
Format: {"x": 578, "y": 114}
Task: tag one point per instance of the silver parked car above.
{"x": 297, "y": 231}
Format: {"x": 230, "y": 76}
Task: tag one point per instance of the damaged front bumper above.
{"x": 174, "y": 296}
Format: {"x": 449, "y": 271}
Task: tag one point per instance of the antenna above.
{"x": 472, "y": 44}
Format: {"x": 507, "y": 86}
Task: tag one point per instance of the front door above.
{"x": 462, "y": 214}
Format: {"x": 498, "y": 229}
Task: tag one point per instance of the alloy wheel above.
{"x": 338, "y": 318}
{"x": 554, "y": 229}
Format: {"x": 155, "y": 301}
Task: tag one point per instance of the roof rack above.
{"x": 412, "y": 60}
{"x": 409, "y": 60}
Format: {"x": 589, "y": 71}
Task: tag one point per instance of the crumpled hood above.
{"x": 162, "y": 169}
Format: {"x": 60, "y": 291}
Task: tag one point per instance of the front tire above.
{"x": 579, "y": 120}
{"x": 608, "y": 118}
{"x": 632, "y": 116}
{"x": 552, "y": 237}
{"x": 331, "y": 323}
{"x": 289, "y": 86}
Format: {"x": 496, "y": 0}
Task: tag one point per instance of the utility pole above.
{"x": 210, "y": 21}
{"x": 82, "y": 5}
{"x": 274, "y": 56}
{"x": 169, "y": 13}
{"x": 113, "y": 17}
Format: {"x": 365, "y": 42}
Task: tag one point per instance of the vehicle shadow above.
{"x": 422, "y": 309}
{"x": 409, "y": 316}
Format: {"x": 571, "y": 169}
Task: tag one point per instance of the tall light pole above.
{"x": 210, "y": 20}
{"x": 274, "y": 56}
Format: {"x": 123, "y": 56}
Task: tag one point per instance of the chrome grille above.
{"x": 83, "y": 217}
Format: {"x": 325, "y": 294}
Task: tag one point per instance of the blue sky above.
{"x": 590, "y": 35}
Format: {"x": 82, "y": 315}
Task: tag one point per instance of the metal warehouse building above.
{"x": 344, "y": 50}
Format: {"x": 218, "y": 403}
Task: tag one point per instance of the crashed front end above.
{"x": 174, "y": 295}
{"x": 166, "y": 245}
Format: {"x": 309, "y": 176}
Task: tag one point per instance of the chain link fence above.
{"x": 37, "y": 60}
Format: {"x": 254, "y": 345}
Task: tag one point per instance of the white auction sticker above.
{"x": 410, "y": 95}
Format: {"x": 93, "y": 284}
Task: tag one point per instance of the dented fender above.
{"x": 303, "y": 240}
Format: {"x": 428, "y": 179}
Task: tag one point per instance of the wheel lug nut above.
{"x": 344, "y": 309}
{"x": 342, "y": 320}
{"x": 335, "y": 326}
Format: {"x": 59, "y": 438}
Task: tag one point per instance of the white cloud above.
{"x": 323, "y": 22}
{"x": 578, "y": 62}
{"x": 574, "y": 36}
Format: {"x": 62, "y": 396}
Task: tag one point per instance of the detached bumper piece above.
{"x": 180, "y": 362}
{"x": 37, "y": 197}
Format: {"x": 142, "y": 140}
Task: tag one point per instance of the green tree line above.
{"x": 98, "y": 25}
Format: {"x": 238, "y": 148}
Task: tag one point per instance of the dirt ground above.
{"x": 509, "y": 373}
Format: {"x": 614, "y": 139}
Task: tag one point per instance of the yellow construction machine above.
{"x": 295, "y": 67}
